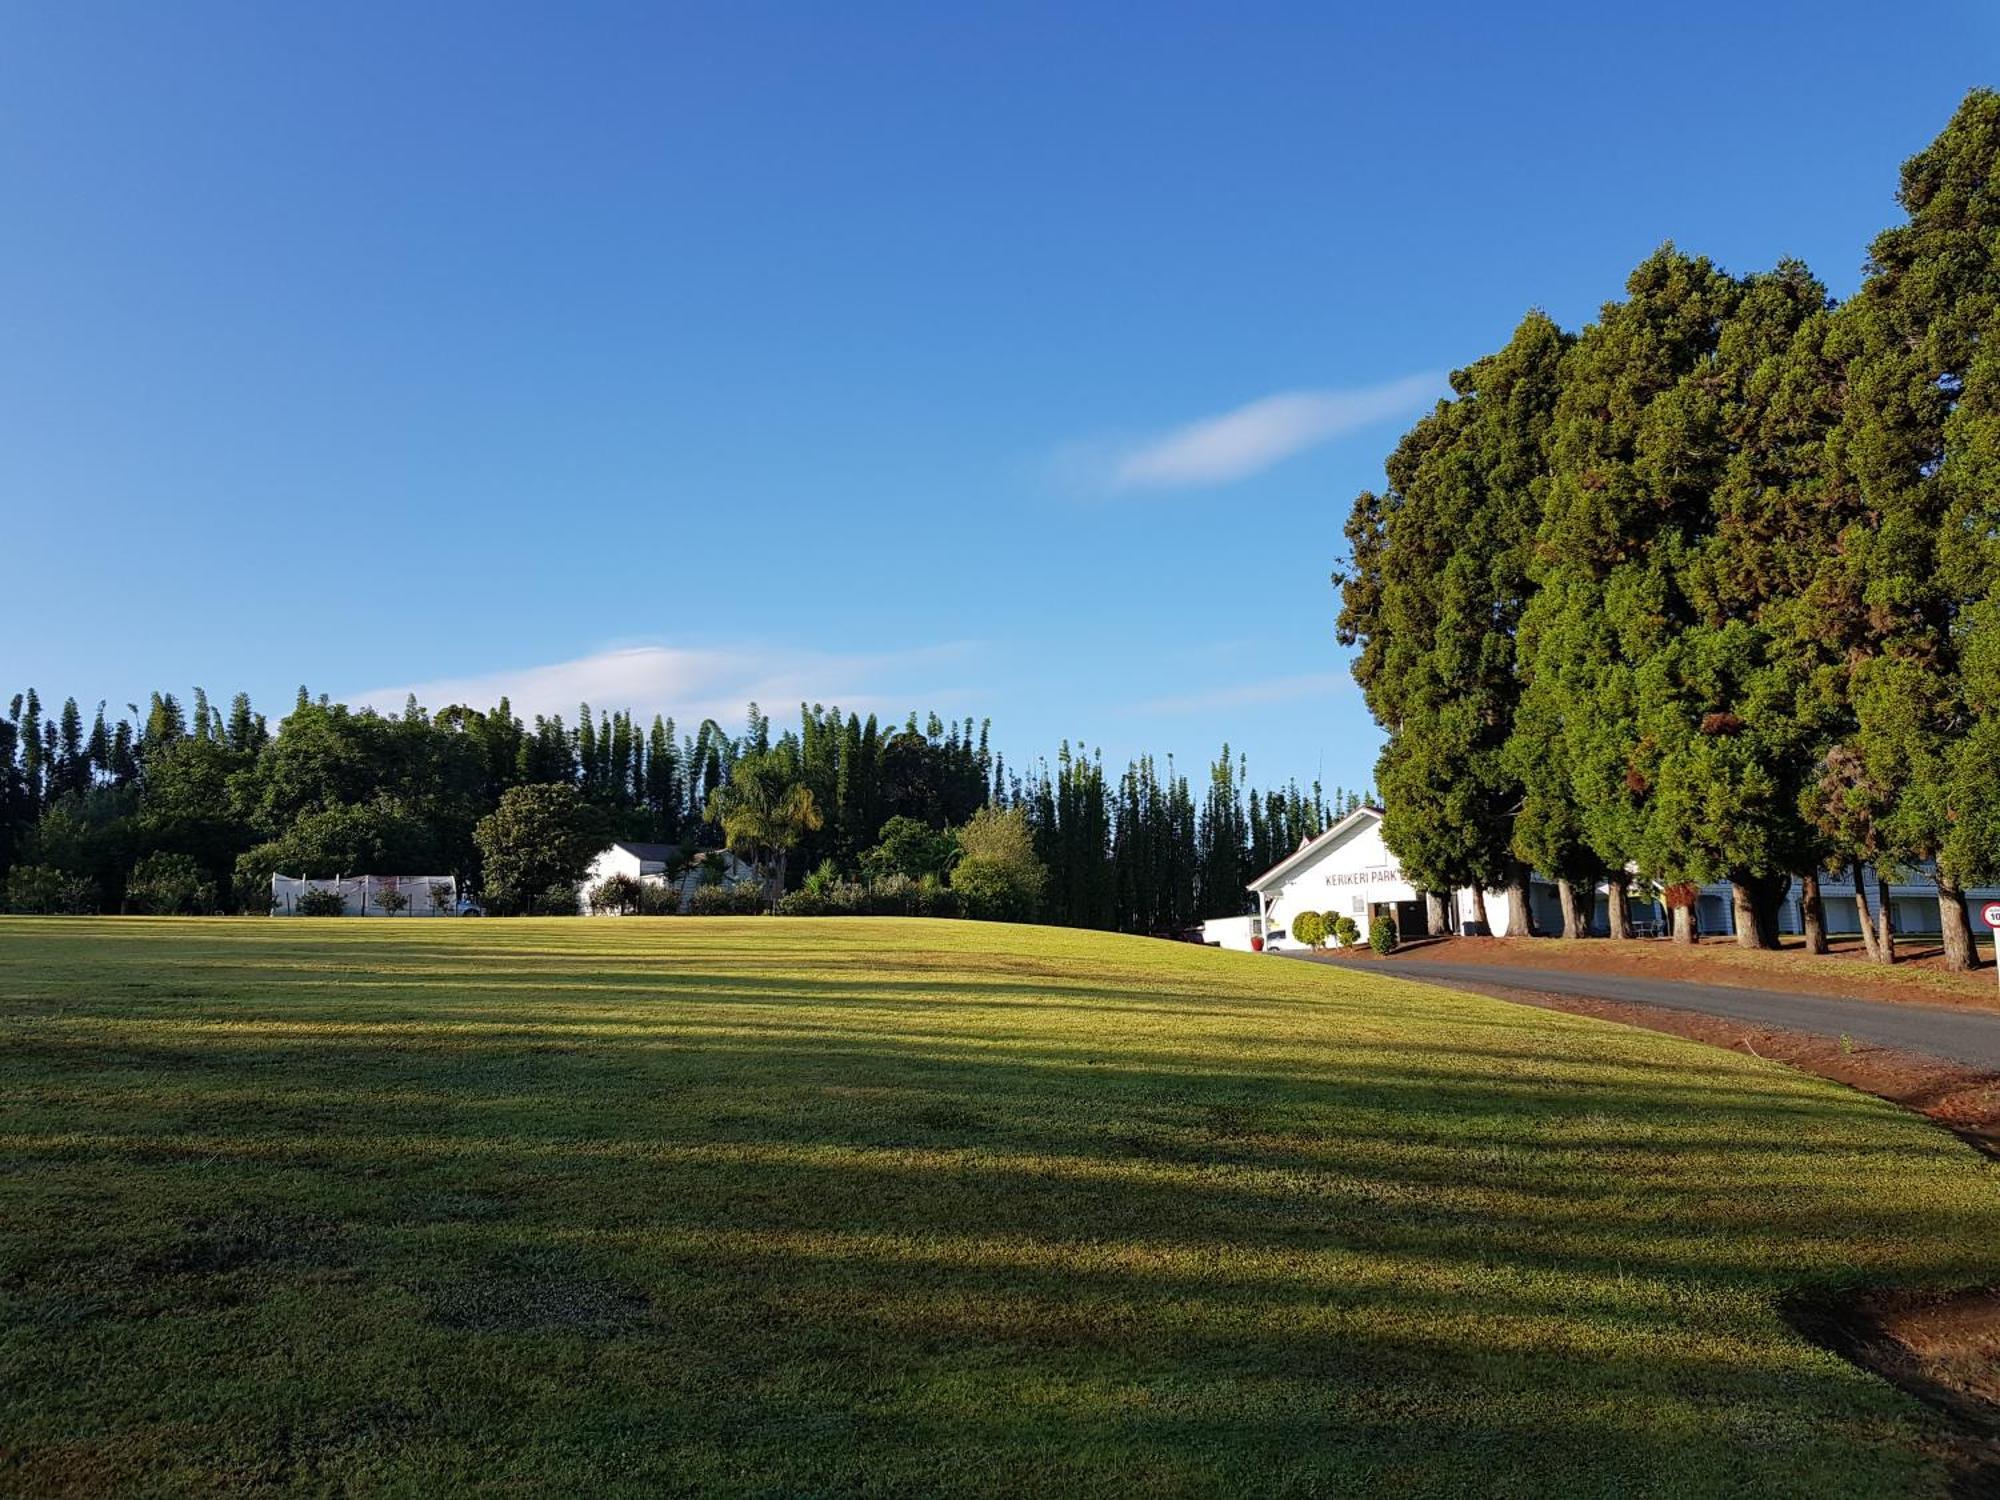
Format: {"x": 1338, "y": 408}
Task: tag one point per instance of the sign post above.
{"x": 1990, "y": 914}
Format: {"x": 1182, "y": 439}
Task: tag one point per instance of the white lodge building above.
{"x": 1349, "y": 871}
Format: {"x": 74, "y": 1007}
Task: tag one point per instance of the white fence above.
{"x": 364, "y": 895}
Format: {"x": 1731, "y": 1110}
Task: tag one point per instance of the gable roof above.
{"x": 1312, "y": 848}
{"x": 661, "y": 852}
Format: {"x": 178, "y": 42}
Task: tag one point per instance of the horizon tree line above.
{"x": 186, "y": 807}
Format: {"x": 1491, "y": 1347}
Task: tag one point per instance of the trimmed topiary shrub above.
{"x": 1309, "y": 927}
{"x": 1382, "y": 934}
{"x": 1346, "y": 931}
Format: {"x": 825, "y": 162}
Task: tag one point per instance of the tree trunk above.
{"x": 1480, "y": 920}
{"x": 1520, "y": 920}
{"x": 1618, "y": 905}
{"x": 1868, "y": 939}
{"x": 1956, "y": 923}
{"x": 1812, "y": 912}
{"x": 1886, "y": 919}
{"x": 1575, "y": 923}
{"x": 1743, "y": 908}
{"x": 1437, "y": 912}
{"x": 1756, "y": 900}
{"x": 1686, "y": 930}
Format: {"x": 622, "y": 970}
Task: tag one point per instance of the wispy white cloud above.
{"x": 1237, "y": 695}
{"x": 697, "y": 683}
{"x": 1250, "y": 439}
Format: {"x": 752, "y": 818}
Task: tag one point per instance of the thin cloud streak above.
{"x": 1250, "y": 439}
{"x": 692, "y": 684}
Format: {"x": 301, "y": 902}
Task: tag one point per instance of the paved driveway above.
{"x": 1956, "y": 1032}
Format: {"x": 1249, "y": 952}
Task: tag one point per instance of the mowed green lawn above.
{"x": 789, "y": 1208}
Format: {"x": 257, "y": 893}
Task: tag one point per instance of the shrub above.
{"x": 804, "y": 903}
{"x": 38, "y": 890}
{"x": 910, "y": 847}
{"x": 727, "y": 901}
{"x": 936, "y": 899}
{"x": 441, "y": 896}
{"x": 659, "y": 898}
{"x": 320, "y": 903}
{"x": 537, "y": 846}
{"x": 1382, "y": 934}
{"x": 391, "y": 902}
{"x": 621, "y": 895}
{"x": 167, "y": 885}
{"x": 999, "y": 879}
{"x": 1346, "y": 931}
{"x": 992, "y": 891}
{"x": 1309, "y": 927}
{"x": 891, "y": 896}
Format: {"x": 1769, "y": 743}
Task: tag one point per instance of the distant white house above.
{"x": 1349, "y": 871}
{"x": 651, "y": 863}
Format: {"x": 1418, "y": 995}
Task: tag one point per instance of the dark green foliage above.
{"x": 620, "y": 894}
{"x": 536, "y": 846}
{"x": 169, "y": 885}
{"x": 910, "y": 848}
{"x": 340, "y": 791}
{"x": 1917, "y": 449}
{"x": 727, "y": 901}
{"x": 1346, "y": 931}
{"x": 38, "y": 890}
{"x": 1724, "y": 574}
{"x": 1000, "y": 877}
{"x": 1433, "y": 596}
{"x": 1382, "y": 934}
{"x": 320, "y": 903}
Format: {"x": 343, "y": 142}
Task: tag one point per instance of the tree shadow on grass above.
{"x": 759, "y": 1254}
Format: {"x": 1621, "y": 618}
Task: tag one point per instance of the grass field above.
{"x": 769, "y": 1208}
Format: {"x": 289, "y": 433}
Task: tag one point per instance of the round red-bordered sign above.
{"x": 1990, "y": 912}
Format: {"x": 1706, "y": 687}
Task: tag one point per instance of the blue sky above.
{"x": 1015, "y": 360}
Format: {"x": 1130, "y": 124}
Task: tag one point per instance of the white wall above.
{"x": 1341, "y": 879}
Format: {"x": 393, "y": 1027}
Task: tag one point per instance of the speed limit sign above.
{"x": 1990, "y": 912}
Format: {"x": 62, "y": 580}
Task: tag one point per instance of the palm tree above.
{"x": 764, "y": 813}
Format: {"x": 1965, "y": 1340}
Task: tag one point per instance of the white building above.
{"x": 1349, "y": 871}
{"x": 651, "y": 863}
